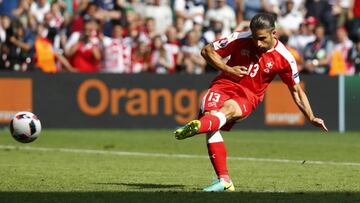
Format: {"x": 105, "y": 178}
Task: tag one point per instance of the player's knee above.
{"x": 229, "y": 111}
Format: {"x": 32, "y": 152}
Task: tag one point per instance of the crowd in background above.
{"x": 166, "y": 36}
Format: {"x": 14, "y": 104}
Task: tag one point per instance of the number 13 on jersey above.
{"x": 253, "y": 69}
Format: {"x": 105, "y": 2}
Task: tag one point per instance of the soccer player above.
{"x": 256, "y": 57}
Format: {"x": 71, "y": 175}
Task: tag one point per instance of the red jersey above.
{"x": 356, "y": 8}
{"x": 262, "y": 66}
{"x": 83, "y": 59}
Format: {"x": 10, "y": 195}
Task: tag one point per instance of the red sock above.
{"x": 217, "y": 154}
{"x": 209, "y": 123}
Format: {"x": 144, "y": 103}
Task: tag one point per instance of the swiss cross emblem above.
{"x": 269, "y": 65}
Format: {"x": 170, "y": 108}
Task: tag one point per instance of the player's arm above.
{"x": 303, "y": 103}
{"x": 215, "y": 60}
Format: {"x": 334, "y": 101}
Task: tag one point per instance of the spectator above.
{"x": 123, "y": 9}
{"x": 317, "y": 53}
{"x": 354, "y": 56}
{"x": 302, "y": 38}
{"x": 189, "y": 10}
{"x": 214, "y": 32}
{"x": 136, "y": 5}
{"x": 150, "y": 29}
{"x": 238, "y": 6}
{"x": 162, "y": 60}
{"x": 89, "y": 12}
{"x": 180, "y": 28}
{"x": 5, "y": 23}
{"x": 249, "y": 8}
{"x": 7, "y": 6}
{"x": 278, "y": 7}
{"x": 68, "y": 6}
{"x": 17, "y": 49}
{"x": 290, "y": 20}
{"x": 190, "y": 57}
{"x": 24, "y": 14}
{"x": 225, "y": 14}
{"x": 85, "y": 53}
{"x": 39, "y": 8}
{"x": 117, "y": 53}
{"x": 354, "y": 18}
{"x": 171, "y": 36}
{"x": 340, "y": 10}
{"x": 56, "y": 17}
{"x": 198, "y": 28}
{"x": 173, "y": 43}
{"x": 339, "y": 63}
{"x": 108, "y": 13}
{"x": 161, "y": 13}
{"x": 140, "y": 58}
{"x": 137, "y": 35}
{"x": 311, "y": 23}
{"x": 46, "y": 56}
{"x": 322, "y": 11}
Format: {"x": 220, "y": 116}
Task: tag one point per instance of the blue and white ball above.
{"x": 25, "y": 127}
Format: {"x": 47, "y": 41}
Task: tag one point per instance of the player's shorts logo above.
{"x": 212, "y": 104}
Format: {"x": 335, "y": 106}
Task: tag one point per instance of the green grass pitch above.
{"x": 152, "y": 166}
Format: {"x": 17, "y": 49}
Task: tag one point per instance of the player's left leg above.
{"x": 217, "y": 154}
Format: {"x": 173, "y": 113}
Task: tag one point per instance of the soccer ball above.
{"x": 25, "y": 127}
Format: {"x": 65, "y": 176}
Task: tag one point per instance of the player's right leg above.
{"x": 210, "y": 122}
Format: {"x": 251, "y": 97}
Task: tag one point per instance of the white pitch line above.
{"x": 123, "y": 153}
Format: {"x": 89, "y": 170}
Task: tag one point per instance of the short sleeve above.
{"x": 290, "y": 76}
{"x": 226, "y": 46}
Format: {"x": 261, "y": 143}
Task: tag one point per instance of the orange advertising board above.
{"x": 280, "y": 108}
{"x": 15, "y": 96}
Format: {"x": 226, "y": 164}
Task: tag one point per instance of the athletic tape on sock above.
{"x": 213, "y": 137}
{"x": 221, "y": 117}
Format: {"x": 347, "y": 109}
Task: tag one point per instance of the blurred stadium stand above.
{"x": 165, "y": 36}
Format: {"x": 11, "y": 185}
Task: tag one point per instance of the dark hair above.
{"x": 262, "y": 21}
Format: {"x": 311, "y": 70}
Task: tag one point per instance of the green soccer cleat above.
{"x": 188, "y": 130}
{"x": 220, "y": 185}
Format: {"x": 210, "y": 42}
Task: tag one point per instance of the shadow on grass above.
{"x": 145, "y": 185}
{"x": 185, "y": 197}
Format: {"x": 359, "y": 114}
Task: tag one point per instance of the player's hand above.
{"x": 318, "y": 122}
{"x": 239, "y": 71}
